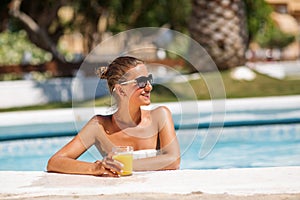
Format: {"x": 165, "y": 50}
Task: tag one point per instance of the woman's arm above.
{"x": 169, "y": 157}
{"x": 64, "y": 161}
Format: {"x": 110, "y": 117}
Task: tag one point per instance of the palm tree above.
{"x": 220, "y": 26}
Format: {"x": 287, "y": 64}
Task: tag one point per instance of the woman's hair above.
{"x": 117, "y": 69}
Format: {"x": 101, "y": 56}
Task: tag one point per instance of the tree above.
{"x": 226, "y": 27}
{"x": 258, "y": 16}
{"x": 262, "y": 28}
{"x": 37, "y": 30}
{"x": 44, "y": 26}
{"x": 92, "y": 18}
{"x": 220, "y": 27}
{"x": 274, "y": 38}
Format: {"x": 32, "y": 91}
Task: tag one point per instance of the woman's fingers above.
{"x": 103, "y": 170}
{"x": 109, "y": 173}
{"x": 109, "y": 167}
{"x": 113, "y": 165}
{"x": 109, "y": 158}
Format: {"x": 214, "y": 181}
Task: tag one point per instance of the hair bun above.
{"x": 102, "y": 72}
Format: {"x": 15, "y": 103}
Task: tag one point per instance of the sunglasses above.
{"x": 140, "y": 81}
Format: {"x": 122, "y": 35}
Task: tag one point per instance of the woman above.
{"x": 130, "y": 84}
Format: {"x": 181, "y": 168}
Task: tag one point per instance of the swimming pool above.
{"x": 255, "y": 137}
{"x": 243, "y": 146}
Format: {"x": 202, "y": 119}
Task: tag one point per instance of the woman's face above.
{"x": 136, "y": 95}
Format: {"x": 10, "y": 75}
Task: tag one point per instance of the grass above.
{"x": 260, "y": 87}
{"x": 199, "y": 90}
{"x": 263, "y": 86}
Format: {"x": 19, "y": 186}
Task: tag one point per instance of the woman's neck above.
{"x": 127, "y": 117}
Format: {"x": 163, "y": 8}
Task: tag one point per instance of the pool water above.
{"x": 248, "y": 146}
{"x": 237, "y": 147}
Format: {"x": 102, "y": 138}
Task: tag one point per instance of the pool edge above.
{"x": 235, "y": 181}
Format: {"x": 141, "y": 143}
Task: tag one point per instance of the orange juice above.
{"x": 126, "y": 159}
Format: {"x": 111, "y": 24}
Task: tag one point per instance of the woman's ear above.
{"x": 119, "y": 90}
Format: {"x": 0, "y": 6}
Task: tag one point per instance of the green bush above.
{"x": 15, "y": 45}
{"x": 274, "y": 38}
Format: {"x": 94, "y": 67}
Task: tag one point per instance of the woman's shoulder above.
{"x": 100, "y": 119}
{"x": 162, "y": 116}
{"x": 160, "y": 111}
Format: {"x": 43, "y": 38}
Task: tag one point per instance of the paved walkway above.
{"x": 254, "y": 181}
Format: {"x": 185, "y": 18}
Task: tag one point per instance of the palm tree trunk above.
{"x": 220, "y": 27}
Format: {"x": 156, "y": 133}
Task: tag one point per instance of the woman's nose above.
{"x": 148, "y": 87}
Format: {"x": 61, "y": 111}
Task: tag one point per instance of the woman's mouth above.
{"x": 146, "y": 95}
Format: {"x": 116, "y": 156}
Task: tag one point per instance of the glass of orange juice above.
{"x": 124, "y": 154}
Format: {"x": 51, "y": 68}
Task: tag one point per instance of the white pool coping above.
{"x": 222, "y": 107}
{"x": 237, "y": 181}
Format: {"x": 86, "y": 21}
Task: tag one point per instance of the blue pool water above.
{"x": 259, "y": 136}
{"x": 241, "y": 146}
{"x": 247, "y": 146}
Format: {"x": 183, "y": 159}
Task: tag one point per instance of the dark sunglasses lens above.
{"x": 142, "y": 81}
{"x": 142, "y": 84}
{"x": 150, "y": 79}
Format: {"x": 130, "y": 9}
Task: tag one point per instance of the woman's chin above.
{"x": 146, "y": 103}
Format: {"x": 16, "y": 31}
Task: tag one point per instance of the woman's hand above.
{"x": 108, "y": 167}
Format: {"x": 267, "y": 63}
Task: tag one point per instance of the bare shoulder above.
{"x": 100, "y": 119}
{"x": 97, "y": 122}
{"x": 93, "y": 130}
{"x": 161, "y": 110}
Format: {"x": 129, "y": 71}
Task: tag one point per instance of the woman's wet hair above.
{"x": 117, "y": 69}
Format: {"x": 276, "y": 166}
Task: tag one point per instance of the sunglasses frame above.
{"x": 148, "y": 79}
